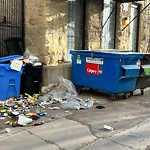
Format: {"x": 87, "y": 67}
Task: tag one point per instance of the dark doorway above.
{"x": 11, "y": 22}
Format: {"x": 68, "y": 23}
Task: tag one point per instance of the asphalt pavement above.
{"x": 123, "y": 124}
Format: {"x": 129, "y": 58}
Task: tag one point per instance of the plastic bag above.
{"x": 26, "y": 54}
{"x": 71, "y": 105}
{"x": 68, "y": 85}
{"x": 30, "y": 58}
{"x": 48, "y": 88}
{"x": 84, "y": 104}
{"x": 45, "y": 98}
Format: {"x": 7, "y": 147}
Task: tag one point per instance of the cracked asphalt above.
{"x": 84, "y": 129}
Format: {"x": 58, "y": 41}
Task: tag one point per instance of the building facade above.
{"x": 53, "y": 27}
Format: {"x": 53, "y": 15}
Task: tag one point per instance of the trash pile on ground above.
{"x": 27, "y": 109}
{"x": 64, "y": 92}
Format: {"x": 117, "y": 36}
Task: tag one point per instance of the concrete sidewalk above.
{"x": 83, "y": 129}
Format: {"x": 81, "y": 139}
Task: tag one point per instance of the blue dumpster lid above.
{"x": 7, "y": 58}
{"x": 108, "y": 53}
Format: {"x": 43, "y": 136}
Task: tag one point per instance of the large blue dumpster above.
{"x": 111, "y": 71}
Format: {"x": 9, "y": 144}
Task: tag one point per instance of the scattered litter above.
{"x": 2, "y": 118}
{"x": 67, "y": 111}
{"x": 71, "y": 105}
{"x": 84, "y": 104}
{"x": 108, "y": 128}
{"x": 23, "y": 120}
{"x": 8, "y": 122}
{"x": 41, "y": 114}
{"x": 34, "y": 117}
{"x": 27, "y": 109}
{"x": 36, "y": 123}
{"x": 15, "y": 113}
{"x": 7, "y": 130}
{"x": 54, "y": 108}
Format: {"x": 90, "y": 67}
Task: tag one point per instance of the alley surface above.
{"x": 84, "y": 129}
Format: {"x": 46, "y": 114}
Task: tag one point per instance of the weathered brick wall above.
{"x": 93, "y": 24}
{"x": 46, "y": 29}
{"x": 122, "y": 37}
{"x": 144, "y": 37}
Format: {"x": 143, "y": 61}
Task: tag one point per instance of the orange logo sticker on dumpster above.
{"x": 92, "y": 68}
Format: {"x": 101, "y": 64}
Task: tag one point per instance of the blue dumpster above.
{"x": 110, "y": 71}
{"x": 9, "y": 78}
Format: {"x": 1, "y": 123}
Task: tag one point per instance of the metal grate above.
{"x": 11, "y": 22}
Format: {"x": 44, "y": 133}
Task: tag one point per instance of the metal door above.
{"x": 11, "y": 21}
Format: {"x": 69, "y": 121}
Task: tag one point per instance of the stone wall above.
{"x": 144, "y": 37}
{"x": 93, "y": 24}
{"x": 122, "y": 37}
{"x": 46, "y": 29}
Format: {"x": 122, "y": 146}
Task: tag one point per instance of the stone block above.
{"x": 42, "y": 11}
{"x": 37, "y": 21}
{"x": 40, "y": 3}
{"x": 50, "y": 73}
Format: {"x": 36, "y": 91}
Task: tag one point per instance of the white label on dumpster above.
{"x": 94, "y": 60}
{"x": 78, "y": 59}
{"x": 16, "y": 65}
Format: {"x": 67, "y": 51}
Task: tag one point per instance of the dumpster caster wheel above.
{"x": 78, "y": 89}
{"x": 124, "y": 96}
{"x": 91, "y": 89}
{"x": 113, "y": 97}
{"x": 142, "y": 91}
{"x": 131, "y": 94}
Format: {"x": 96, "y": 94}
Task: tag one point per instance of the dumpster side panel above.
{"x": 83, "y": 74}
{"x": 10, "y": 82}
{"x": 104, "y": 71}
